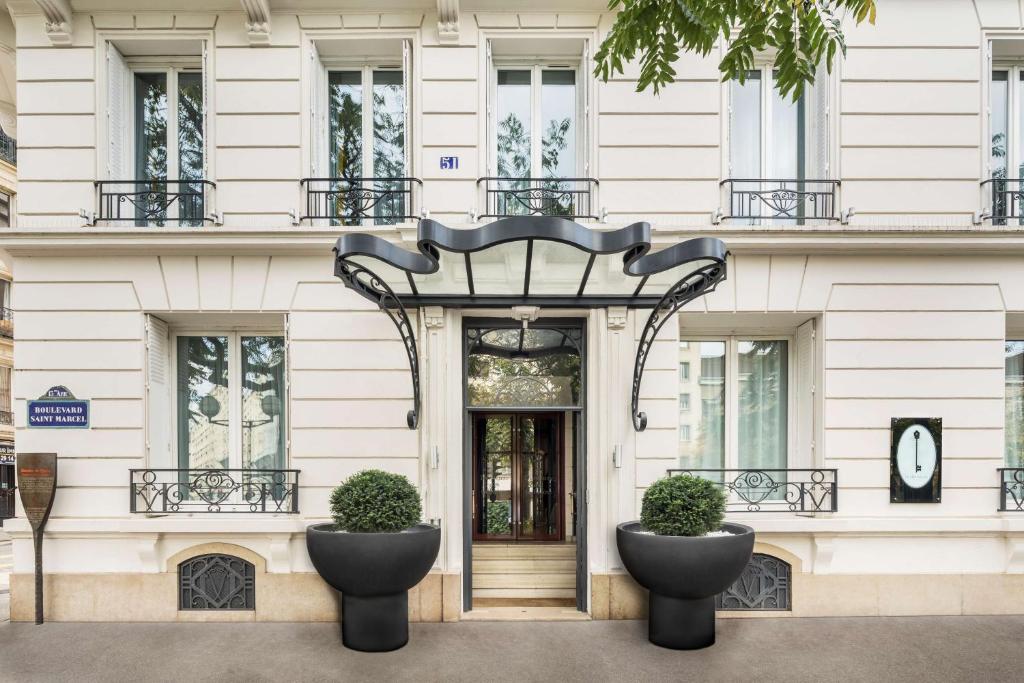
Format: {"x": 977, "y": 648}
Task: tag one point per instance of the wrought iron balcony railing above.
{"x": 361, "y": 201}
{"x": 154, "y": 202}
{"x": 799, "y": 200}
{"x": 6, "y": 322}
{"x": 1011, "y": 489}
{"x": 8, "y": 149}
{"x": 160, "y": 491}
{"x": 1006, "y": 196}
{"x": 774, "y": 490}
{"x": 567, "y": 197}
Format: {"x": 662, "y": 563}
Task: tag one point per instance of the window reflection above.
{"x": 703, "y": 424}
{"x": 512, "y": 367}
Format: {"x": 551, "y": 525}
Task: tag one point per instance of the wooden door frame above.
{"x": 517, "y": 474}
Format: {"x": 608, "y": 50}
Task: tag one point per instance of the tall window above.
{"x": 1006, "y": 157}
{"x": 5, "y": 209}
{"x": 230, "y": 401}
{"x": 742, "y": 416}
{"x": 1014, "y": 432}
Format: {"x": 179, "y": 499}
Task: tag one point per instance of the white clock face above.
{"x": 916, "y": 456}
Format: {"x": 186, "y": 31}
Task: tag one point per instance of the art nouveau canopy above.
{"x": 543, "y": 261}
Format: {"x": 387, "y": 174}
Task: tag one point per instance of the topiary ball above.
{"x": 683, "y": 505}
{"x": 373, "y": 501}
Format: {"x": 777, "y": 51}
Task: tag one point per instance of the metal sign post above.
{"x": 37, "y": 483}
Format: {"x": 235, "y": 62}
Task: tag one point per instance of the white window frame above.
{"x": 234, "y": 336}
{"x": 536, "y": 66}
{"x": 171, "y": 67}
{"x": 731, "y": 436}
{"x": 365, "y": 67}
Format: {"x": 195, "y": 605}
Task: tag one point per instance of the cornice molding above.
{"x": 257, "y": 21}
{"x": 57, "y": 15}
{"x": 448, "y": 21}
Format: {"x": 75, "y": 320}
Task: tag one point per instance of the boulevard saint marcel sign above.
{"x": 58, "y": 409}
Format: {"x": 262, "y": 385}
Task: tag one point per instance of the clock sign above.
{"x": 915, "y": 467}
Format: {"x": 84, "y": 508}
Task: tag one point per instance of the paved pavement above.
{"x": 6, "y": 565}
{"x": 864, "y": 649}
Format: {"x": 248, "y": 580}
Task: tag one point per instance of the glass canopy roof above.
{"x": 539, "y": 260}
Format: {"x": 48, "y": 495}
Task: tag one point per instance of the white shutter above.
{"x": 286, "y": 399}
{"x": 489, "y": 118}
{"x": 158, "y": 393}
{"x": 406, "y": 104}
{"x": 318, "y": 128}
{"x": 818, "y": 167}
{"x": 118, "y": 90}
{"x": 803, "y": 452}
{"x": 987, "y": 151}
{"x": 207, "y": 128}
{"x": 584, "y": 80}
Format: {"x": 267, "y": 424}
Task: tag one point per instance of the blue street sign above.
{"x": 58, "y": 409}
{"x": 449, "y": 163}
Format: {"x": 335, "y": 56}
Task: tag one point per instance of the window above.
{"x": 744, "y": 407}
{"x": 230, "y": 401}
{"x": 684, "y": 402}
{"x": 684, "y": 371}
{"x": 1006, "y": 127}
{"x": 156, "y": 132}
{"x": 5, "y": 210}
{"x": 684, "y": 432}
{"x": 1014, "y": 433}
{"x": 771, "y": 136}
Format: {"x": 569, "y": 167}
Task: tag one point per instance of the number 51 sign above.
{"x": 449, "y": 163}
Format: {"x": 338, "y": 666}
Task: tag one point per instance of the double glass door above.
{"x": 518, "y": 485}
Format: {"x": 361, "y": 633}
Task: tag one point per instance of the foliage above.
{"x": 682, "y": 505}
{"x": 374, "y": 501}
{"x": 499, "y": 517}
{"x": 801, "y": 33}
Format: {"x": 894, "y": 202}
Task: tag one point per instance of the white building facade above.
{"x": 184, "y": 170}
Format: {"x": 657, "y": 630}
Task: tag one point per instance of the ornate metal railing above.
{"x": 214, "y": 490}
{"x": 1007, "y": 200}
{"x": 1011, "y": 489}
{"x": 154, "y": 202}
{"x": 799, "y": 200}
{"x": 8, "y": 149}
{"x": 359, "y": 201}
{"x": 567, "y": 197}
{"x": 6, "y": 322}
{"x": 774, "y": 490}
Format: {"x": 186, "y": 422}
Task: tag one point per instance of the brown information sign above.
{"x": 37, "y": 483}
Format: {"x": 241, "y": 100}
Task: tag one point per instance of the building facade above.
{"x": 186, "y": 168}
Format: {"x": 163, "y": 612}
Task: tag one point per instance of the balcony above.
{"x": 1011, "y": 489}
{"x": 776, "y": 490}
{"x": 1005, "y": 195}
{"x": 361, "y": 201}
{"x": 154, "y": 202}
{"x": 795, "y": 200}
{"x": 170, "y": 491}
{"x": 567, "y": 197}
{"x": 8, "y": 149}
{"x": 6, "y": 322}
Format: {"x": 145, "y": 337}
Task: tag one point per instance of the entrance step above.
{"x": 525, "y": 614}
{"x": 519, "y": 571}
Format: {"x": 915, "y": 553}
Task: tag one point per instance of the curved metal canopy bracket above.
{"x": 698, "y": 283}
{"x": 366, "y": 283}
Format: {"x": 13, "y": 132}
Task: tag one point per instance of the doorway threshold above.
{"x": 524, "y": 613}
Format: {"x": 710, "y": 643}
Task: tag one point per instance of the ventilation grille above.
{"x": 216, "y": 582}
{"x": 763, "y": 586}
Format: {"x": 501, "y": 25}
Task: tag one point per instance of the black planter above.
{"x": 374, "y": 573}
{"x": 683, "y": 575}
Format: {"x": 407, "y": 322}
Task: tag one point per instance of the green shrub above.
{"x": 373, "y": 501}
{"x": 683, "y": 505}
{"x": 499, "y": 517}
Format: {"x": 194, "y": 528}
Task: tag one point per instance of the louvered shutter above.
{"x": 318, "y": 128}
{"x": 118, "y": 89}
{"x": 406, "y": 104}
{"x": 158, "y": 393}
{"x": 805, "y": 423}
{"x": 207, "y": 128}
{"x": 818, "y": 163}
{"x": 584, "y": 80}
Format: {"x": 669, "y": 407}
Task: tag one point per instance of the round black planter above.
{"x": 374, "y": 573}
{"x": 683, "y": 575}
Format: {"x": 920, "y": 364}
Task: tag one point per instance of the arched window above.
{"x": 764, "y": 585}
{"x": 216, "y": 582}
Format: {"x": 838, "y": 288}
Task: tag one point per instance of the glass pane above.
{"x": 556, "y": 268}
{"x": 1014, "y": 357}
{"x": 512, "y": 367}
{"x": 500, "y": 269}
{"x": 745, "y": 128}
{"x": 787, "y": 138}
{"x": 388, "y": 145}
{"x": 558, "y": 111}
{"x": 190, "y": 147}
{"x": 151, "y": 126}
{"x": 203, "y": 402}
{"x": 345, "y": 121}
{"x": 263, "y": 403}
{"x": 762, "y": 393}
{"x": 704, "y": 423}
{"x": 494, "y": 472}
{"x": 538, "y": 447}
{"x": 514, "y": 125}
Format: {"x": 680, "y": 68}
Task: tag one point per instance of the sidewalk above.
{"x": 841, "y": 649}
{"x": 6, "y": 565}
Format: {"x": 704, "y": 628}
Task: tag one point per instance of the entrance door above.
{"x": 518, "y": 487}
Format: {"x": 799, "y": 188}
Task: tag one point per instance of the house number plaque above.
{"x": 37, "y": 483}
